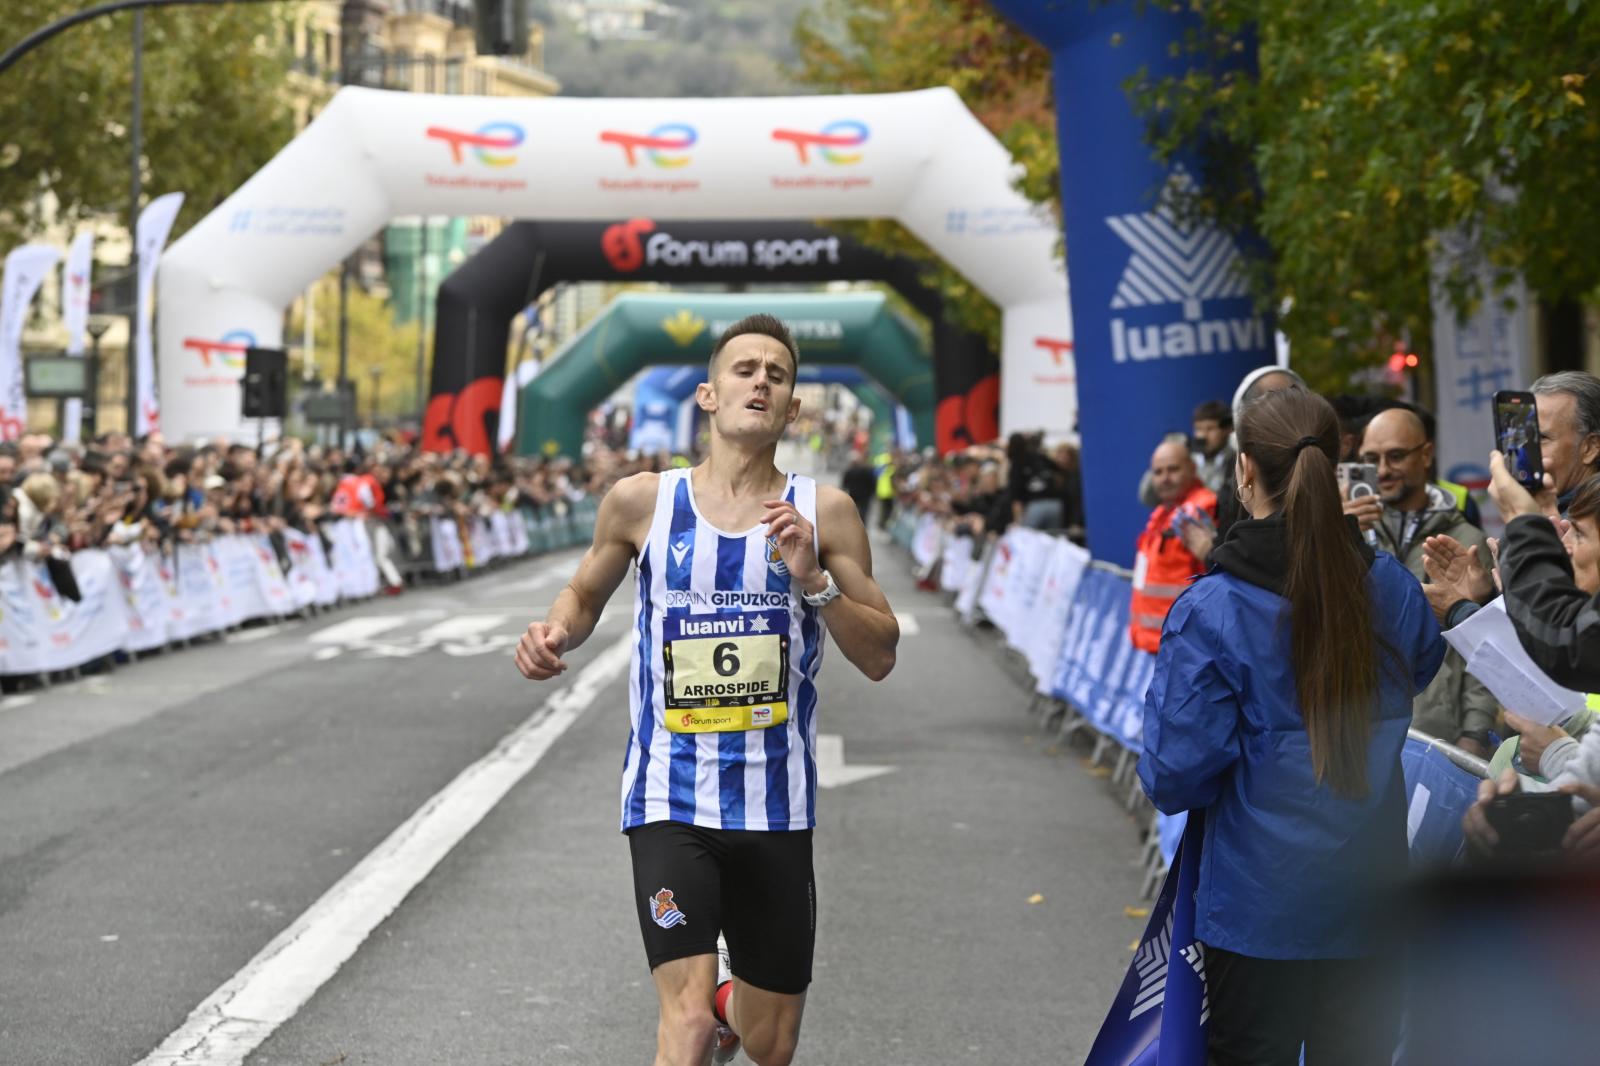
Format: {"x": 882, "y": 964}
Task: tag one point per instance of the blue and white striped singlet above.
{"x": 722, "y": 693}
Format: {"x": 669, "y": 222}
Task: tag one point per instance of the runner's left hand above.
{"x": 796, "y": 539}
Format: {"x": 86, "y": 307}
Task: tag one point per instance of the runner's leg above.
{"x": 770, "y": 919}
{"x": 768, "y": 1023}
{"x": 684, "y": 988}
{"x": 677, "y": 880}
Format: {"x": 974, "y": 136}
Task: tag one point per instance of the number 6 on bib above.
{"x": 726, "y": 672}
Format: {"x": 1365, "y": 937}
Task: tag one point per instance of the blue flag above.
{"x": 1160, "y": 1013}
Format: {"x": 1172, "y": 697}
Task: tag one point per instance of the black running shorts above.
{"x": 756, "y": 888}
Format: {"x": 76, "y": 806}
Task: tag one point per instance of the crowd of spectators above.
{"x": 58, "y": 498}
{"x": 986, "y": 488}
{"x": 1432, "y": 527}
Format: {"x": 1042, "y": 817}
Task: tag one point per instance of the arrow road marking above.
{"x": 831, "y": 770}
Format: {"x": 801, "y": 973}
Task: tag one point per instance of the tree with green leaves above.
{"x": 1003, "y": 76}
{"x": 215, "y": 109}
{"x": 1370, "y": 132}
{"x": 376, "y": 343}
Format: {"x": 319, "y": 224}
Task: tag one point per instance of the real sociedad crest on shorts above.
{"x": 663, "y": 911}
{"x": 775, "y": 561}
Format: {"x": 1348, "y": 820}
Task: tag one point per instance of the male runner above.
{"x": 720, "y": 779}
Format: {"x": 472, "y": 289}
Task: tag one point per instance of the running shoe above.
{"x": 727, "y": 1045}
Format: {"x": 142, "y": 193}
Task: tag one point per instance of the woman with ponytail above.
{"x": 1279, "y": 705}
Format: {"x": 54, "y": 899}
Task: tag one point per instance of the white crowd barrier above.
{"x": 135, "y": 598}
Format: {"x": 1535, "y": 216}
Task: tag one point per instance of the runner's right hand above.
{"x": 539, "y": 651}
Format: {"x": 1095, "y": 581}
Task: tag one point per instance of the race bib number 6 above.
{"x": 726, "y": 673}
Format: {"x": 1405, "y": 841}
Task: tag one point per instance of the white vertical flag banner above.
{"x": 75, "y": 285}
{"x": 516, "y": 381}
{"x": 155, "y": 222}
{"x": 25, "y": 271}
{"x": 1475, "y": 357}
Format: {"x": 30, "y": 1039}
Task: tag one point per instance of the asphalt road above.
{"x": 161, "y": 826}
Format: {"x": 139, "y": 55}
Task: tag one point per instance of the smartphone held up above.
{"x": 1516, "y": 435}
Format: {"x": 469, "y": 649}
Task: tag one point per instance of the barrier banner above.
{"x": 925, "y": 543}
{"x": 482, "y": 544}
{"x": 1160, "y": 1013}
{"x": 518, "y": 529}
{"x": 240, "y": 576}
{"x": 1438, "y": 795}
{"x": 18, "y": 634}
{"x": 992, "y": 599}
{"x": 500, "y": 529}
{"x": 304, "y": 578}
{"x": 352, "y": 560}
{"x": 447, "y": 555}
{"x": 955, "y": 562}
{"x": 200, "y": 592}
{"x": 1099, "y": 671}
{"x": 270, "y": 577}
{"x": 1058, "y": 584}
{"x": 149, "y": 604}
{"x": 66, "y": 633}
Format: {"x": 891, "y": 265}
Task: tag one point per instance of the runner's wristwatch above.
{"x": 826, "y": 596}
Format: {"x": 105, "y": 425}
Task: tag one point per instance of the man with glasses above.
{"x": 1406, "y": 512}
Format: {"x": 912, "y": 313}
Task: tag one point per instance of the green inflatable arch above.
{"x": 645, "y": 329}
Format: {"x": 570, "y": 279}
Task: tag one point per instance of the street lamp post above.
{"x": 97, "y": 327}
{"x": 135, "y": 189}
{"x": 376, "y": 373}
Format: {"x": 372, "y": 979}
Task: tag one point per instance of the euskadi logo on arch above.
{"x": 665, "y": 147}
{"x": 1176, "y": 265}
{"x": 480, "y": 157}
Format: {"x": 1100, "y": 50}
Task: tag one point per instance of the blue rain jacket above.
{"x": 1289, "y": 869}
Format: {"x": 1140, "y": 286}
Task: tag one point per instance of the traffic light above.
{"x": 500, "y": 26}
{"x": 265, "y": 387}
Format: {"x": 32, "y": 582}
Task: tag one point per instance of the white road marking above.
{"x": 236, "y": 1018}
{"x": 537, "y": 581}
{"x": 11, "y": 703}
{"x": 908, "y": 623}
{"x": 460, "y": 627}
{"x": 361, "y": 627}
{"x": 831, "y": 770}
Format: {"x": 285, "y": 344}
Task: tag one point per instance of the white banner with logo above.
{"x": 75, "y": 284}
{"x": 149, "y": 599}
{"x": 447, "y": 553}
{"x": 155, "y": 222}
{"x": 370, "y": 156}
{"x": 41, "y": 630}
{"x": 1040, "y": 640}
{"x": 24, "y": 272}
{"x": 1475, "y": 357}
{"x": 310, "y": 580}
{"x": 352, "y": 560}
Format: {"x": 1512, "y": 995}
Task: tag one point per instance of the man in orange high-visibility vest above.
{"x": 1165, "y": 565}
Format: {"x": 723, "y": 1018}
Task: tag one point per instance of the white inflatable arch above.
{"x": 920, "y": 157}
